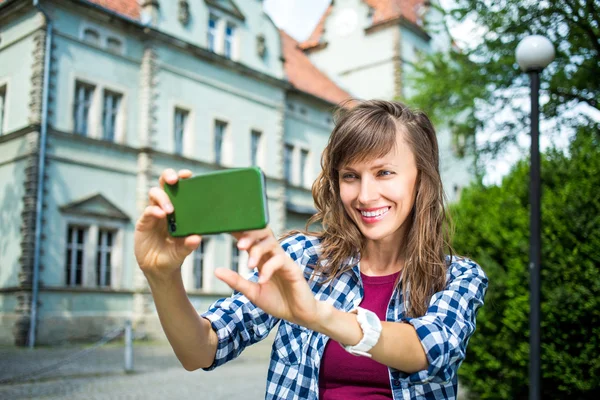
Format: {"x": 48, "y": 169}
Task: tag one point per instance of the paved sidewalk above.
{"x": 158, "y": 374}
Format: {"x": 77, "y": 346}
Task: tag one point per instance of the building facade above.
{"x": 97, "y": 98}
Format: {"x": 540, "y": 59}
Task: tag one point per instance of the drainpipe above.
{"x": 40, "y": 182}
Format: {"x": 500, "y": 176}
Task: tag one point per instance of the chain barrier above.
{"x": 39, "y": 372}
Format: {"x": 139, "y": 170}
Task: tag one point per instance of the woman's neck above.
{"x": 379, "y": 258}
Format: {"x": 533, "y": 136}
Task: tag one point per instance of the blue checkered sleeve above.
{"x": 238, "y": 324}
{"x": 449, "y": 322}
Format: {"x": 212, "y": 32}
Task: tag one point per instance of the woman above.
{"x": 371, "y": 307}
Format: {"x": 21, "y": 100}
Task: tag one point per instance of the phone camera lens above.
{"x": 173, "y": 226}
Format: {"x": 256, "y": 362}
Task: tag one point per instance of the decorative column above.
{"x": 30, "y": 194}
{"x": 397, "y": 63}
{"x": 142, "y": 300}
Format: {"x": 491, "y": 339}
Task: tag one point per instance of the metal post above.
{"x": 128, "y": 347}
{"x": 534, "y": 243}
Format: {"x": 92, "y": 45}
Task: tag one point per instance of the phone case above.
{"x": 224, "y": 201}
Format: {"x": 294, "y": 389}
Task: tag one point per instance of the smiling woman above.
{"x": 379, "y": 281}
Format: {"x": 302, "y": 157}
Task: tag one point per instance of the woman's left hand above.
{"x": 282, "y": 290}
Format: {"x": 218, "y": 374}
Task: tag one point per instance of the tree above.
{"x": 493, "y": 228}
{"x": 475, "y": 84}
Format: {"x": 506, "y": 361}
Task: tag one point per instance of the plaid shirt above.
{"x": 444, "y": 330}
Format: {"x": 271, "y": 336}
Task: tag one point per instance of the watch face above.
{"x": 372, "y": 319}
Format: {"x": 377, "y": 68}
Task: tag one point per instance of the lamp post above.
{"x": 534, "y": 53}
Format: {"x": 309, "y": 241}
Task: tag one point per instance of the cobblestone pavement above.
{"x": 158, "y": 374}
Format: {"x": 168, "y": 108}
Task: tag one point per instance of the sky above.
{"x": 297, "y": 17}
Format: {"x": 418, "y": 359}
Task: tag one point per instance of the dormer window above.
{"x": 91, "y": 36}
{"x": 229, "y": 40}
{"x": 114, "y": 45}
{"x": 212, "y": 32}
{"x": 261, "y": 46}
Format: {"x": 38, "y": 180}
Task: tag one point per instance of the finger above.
{"x": 236, "y": 282}
{"x": 192, "y": 242}
{"x": 248, "y": 238}
{"x": 184, "y": 173}
{"x": 260, "y": 249}
{"x": 150, "y": 216}
{"x": 274, "y": 263}
{"x": 159, "y": 197}
{"x": 168, "y": 176}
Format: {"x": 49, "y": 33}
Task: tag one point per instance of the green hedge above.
{"x": 492, "y": 227}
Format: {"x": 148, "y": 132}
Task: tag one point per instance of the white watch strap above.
{"x": 371, "y": 327}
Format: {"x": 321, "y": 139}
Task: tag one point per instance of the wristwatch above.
{"x": 371, "y": 327}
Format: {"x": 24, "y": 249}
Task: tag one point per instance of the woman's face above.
{"x": 378, "y": 195}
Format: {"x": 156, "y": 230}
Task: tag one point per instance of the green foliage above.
{"x": 473, "y": 86}
{"x": 493, "y": 228}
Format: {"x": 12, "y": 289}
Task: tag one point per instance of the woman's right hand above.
{"x": 158, "y": 253}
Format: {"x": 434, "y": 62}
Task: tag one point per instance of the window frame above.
{"x": 114, "y": 114}
{"x": 256, "y": 139}
{"x": 218, "y": 145}
{"x": 104, "y": 270}
{"x": 288, "y": 162}
{"x": 71, "y": 259}
{"x": 199, "y": 265}
{"x": 93, "y": 226}
{"x": 229, "y": 40}
{"x": 304, "y": 165}
{"x": 234, "y": 256}
{"x": 82, "y": 107}
{"x": 3, "y": 107}
{"x": 180, "y": 128}
{"x": 212, "y": 32}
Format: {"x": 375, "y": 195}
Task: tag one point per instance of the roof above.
{"x": 300, "y": 71}
{"x": 127, "y": 8}
{"x": 304, "y": 76}
{"x": 383, "y": 11}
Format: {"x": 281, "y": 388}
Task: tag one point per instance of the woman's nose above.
{"x": 368, "y": 191}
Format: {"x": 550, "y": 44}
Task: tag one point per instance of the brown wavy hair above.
{"x": 364, "y": 132}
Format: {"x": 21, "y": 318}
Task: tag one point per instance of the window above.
{"x": 287, "y": 162}
{"x": 229, "y": 36}
{"x": 235, "y": 257}
{"x": 75, "y": 255}
{"x": 112, "y": 102}
{"x": 303, "y": 166}
{"x": 212, "y": 32}
{"x": 91, "y": 36}
{"x": 115, "y": 45}
{"x": 179, "y": 128}
{"x": 103, "y": 257}
{"x": 219, "y": 134}
{"x": 81, "y": 107}
{"x": 2, "y": 107}
{"x": 199, "y": 258}
{"x": 254, "y": 146}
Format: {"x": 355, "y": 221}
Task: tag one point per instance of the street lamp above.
{"x": 534, "y": 53}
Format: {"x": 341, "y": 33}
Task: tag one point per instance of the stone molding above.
{"x": 397, "y": 60}
{"x": 37, "y": 77}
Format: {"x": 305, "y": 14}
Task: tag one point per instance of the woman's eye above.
{"x": 348, "y": 176}
{"x": 385, "y": 173}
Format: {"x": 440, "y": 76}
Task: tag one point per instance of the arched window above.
{"x": 91, "y": 36}
{"x": 115, "y": 45}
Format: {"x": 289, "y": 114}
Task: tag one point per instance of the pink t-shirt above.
{"x": 344, "y": 376}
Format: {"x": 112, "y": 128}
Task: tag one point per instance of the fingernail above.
{"x": 243, "y": 243}
{"x": 252, "y": 261}
{"x": 168, "y": 208}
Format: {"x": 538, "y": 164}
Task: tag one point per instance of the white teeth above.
{"x": 375, "y": 213}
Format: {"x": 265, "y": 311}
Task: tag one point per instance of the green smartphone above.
{"x": 225, "y": 201}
